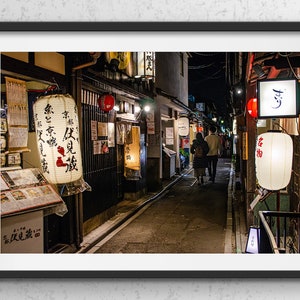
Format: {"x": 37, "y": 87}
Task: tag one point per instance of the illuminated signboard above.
{"x": 146, "y": 64}
{"x": 183, "y": 126}
{"x": 273, "y": 160}
{"x": 200, "y": 106}
{"x": 278, "y": 98}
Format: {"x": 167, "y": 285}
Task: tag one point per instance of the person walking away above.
{"x": 199, "y": 149}
{"x": 215, "y": 150}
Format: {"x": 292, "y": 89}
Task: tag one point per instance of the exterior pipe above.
{"x": 94, "y": 55}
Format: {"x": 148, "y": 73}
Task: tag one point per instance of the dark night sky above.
{"x": 207, "y": 79}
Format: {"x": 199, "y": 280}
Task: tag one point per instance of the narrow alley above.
{"x": 186, "y": 219}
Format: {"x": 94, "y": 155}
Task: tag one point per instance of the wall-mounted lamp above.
{"x": 238, "y": 90}
{"x": 147, "y": 104}
{"x": 147, "y": 108}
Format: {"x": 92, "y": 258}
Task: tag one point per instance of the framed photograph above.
{"x": 208, "y": 37}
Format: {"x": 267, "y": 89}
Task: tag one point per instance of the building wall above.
{"x": 172, "y": 74}
{"x": 171, "y": 83}
{"x": 25, "y": 66}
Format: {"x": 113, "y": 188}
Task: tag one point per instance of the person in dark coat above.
{"x": 199, "y": 163}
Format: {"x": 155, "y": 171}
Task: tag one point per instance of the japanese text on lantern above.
{"x": 259, "y": 152}
{"x": 47, "y": 137}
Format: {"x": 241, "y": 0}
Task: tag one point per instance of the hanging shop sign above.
{"x": 183, "y": 126}
{"x": 123, "y": 58}
{"x": 245, "y": 145}
{"x": 169, "y": 136}
{"x": 57, "y": 132}
{"x": 132, "y": 153}
{"x": 150, "y": 122}
{"x": 273, "y": 159}
{"x": 146, "y": 64}
{"x": 252, "y": 107}
{"x": 106, "y": 102}
{"x": 200, "y": 106}
{"x": 261, "y": 123}
{"x": 278, "y": 98}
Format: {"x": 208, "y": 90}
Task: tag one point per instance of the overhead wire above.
{"x": 200, "y": 67}
{"x": 207, "y": 68}
{"x": 287, "y": 55}
{"x": 208, "y": 53}
{"x": 211, "y": 76}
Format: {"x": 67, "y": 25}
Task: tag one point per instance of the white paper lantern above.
{"x": 183, "y": 126}
{"x": 57, "y": 133}
{"x": 273, "y": 159}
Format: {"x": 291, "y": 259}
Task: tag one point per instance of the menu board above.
{"x": 24, "y": 190}
{"x": 17, "y": 113}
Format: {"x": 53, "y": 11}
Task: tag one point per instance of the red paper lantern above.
{"x": 252, "y": 107}
{"x": 106, "y": 102}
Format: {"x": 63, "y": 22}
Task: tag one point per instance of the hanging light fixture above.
{"x": 252, "y": 107}
{"x": 273, "y": 159}
{"x": 106, "y": 102}
{"x": 183, "y": 126}
{"x": 57, "y": 133}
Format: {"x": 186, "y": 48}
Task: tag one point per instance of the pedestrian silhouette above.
{"x": 215, "y": 150}
{"x": 199, "y": 149}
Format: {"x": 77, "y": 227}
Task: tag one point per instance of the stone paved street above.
{"x": 187, "y": 219}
